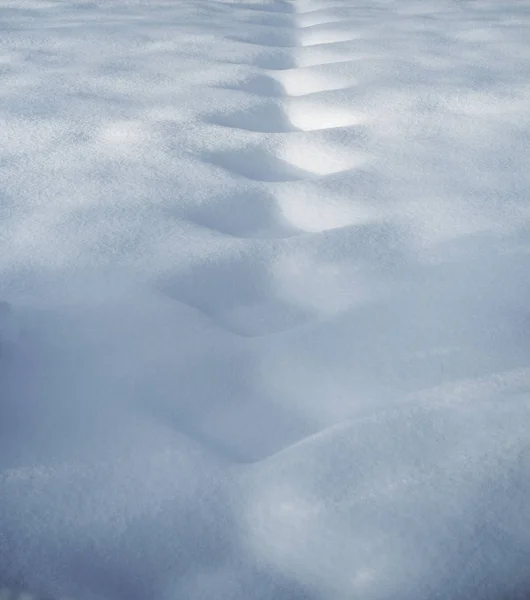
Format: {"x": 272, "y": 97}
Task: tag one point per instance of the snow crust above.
{"x": 265, "y": 277}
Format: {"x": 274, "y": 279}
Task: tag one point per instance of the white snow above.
{"x": 265, "y": 322}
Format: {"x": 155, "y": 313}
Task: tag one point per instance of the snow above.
{"x": 264, "y": 283}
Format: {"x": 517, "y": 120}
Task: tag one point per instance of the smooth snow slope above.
{"x": 269, "y": 267}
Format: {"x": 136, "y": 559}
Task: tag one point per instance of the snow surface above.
{"x": 269, "y": 266}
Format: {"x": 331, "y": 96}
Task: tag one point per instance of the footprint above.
{"x": 324, "y": 16}
{"x": 274, "y": 60}
{"x": 276, "y": 7}
{"x": 310, "y": 115}
{"x": 323, "y": 56}
{"x": 319, "y": 37}
{"x": 313, "y": 209}
{"x": 317, "y": 8}
{"x": 314, "y": 20}
{"x": 268, "y": 20}
{"x": 237, "y": 293}
{"x": 314, "y": 154}
{"x": 249, "y": 213}
{"x": 293, "y": 159}
{"x": 260, "y": 85}
{"x": 273, "y": 39}
{"x": 264, "y": 117}
{"x": 305, "y": 81}
{"x": 288, "y": 116}
{"x": 258, "y": 164}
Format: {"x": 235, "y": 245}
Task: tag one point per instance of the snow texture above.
{"x": 265, "y": 332}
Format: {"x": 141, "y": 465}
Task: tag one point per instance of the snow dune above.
{"x": 264, "y": 273}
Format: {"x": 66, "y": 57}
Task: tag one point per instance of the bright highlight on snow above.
{"x": 264, "y": 323}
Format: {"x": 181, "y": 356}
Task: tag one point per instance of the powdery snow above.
{"x": 266, "y": 266}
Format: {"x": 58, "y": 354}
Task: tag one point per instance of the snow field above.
{"x": 269, "y": 264}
